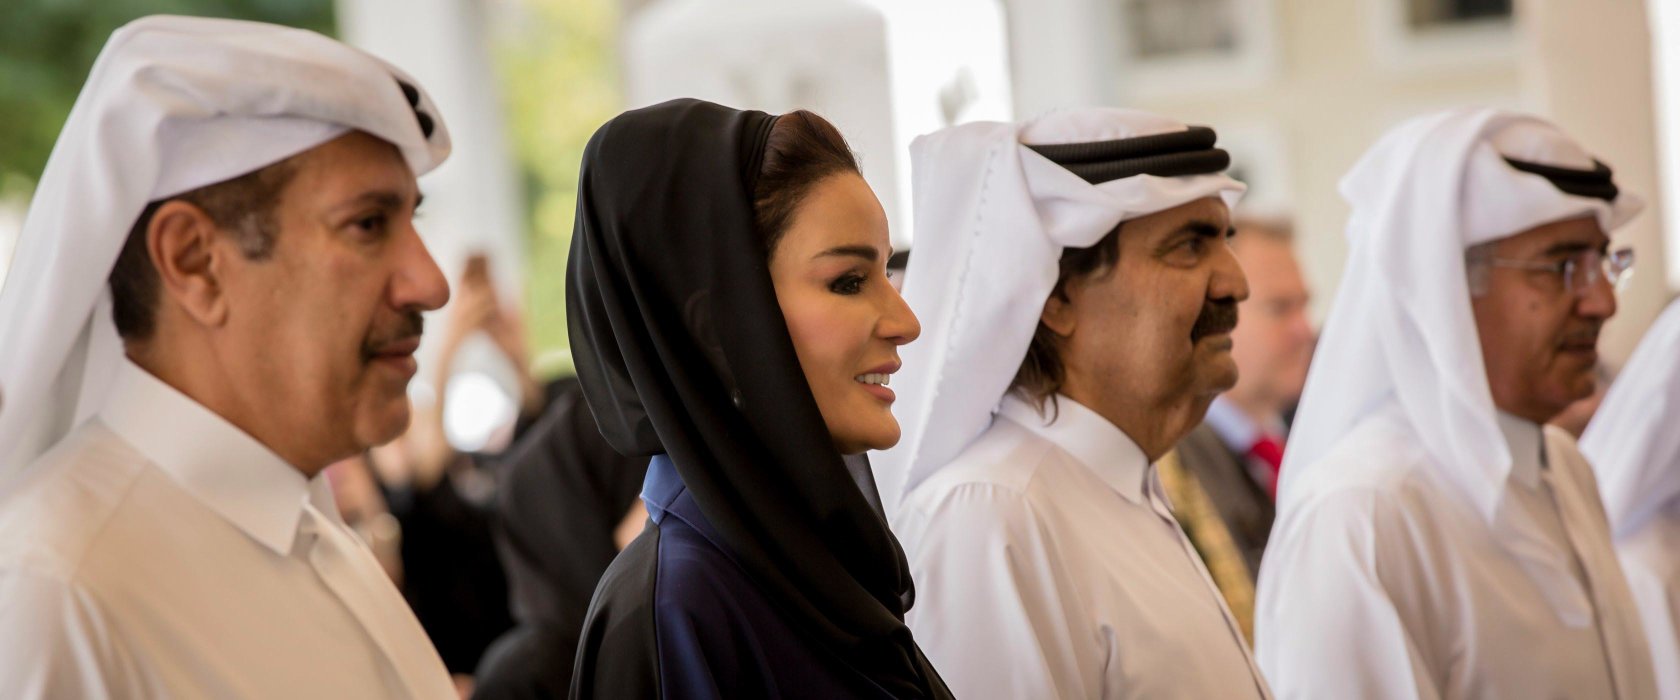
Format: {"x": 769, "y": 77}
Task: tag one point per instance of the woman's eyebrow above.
{"x": 868, "y": 253}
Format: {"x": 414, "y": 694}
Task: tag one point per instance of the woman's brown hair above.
{"x": 803, "y": 150}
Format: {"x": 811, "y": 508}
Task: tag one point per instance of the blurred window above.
{"x": 1429, "y": 14}
{"x": 1173, "y": 28}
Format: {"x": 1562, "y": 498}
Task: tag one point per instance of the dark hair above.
{"x": 243, "y": 207}
{"x": 1042, "y": 372}
{"x": 802, "y": 150}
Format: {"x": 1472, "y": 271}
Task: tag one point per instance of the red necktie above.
{"x": 1269, "y": 451}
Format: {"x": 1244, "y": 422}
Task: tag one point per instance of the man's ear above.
{"x": 182, "y": 240}
{"x": 1058, "y": 313}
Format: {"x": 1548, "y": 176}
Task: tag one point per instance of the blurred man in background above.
{"x": 1234, "y": 456}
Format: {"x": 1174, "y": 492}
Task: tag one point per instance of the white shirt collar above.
{"x": 1527, "y": 442}
{"x": 1089, "y": 438}
{"x": 219, "y": 464}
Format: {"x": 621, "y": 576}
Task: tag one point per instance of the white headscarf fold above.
{"x": 992, "y": 219}
{"x": 172, "y": 104}
{"x": 1633, "y": 442}
{"x": 1401, "y": 325}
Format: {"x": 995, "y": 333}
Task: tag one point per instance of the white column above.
{"x": 1664, "y": 19}
{"x": 882, "y": 71}
{"x": 1062, "y": 54}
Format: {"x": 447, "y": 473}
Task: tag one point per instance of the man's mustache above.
{"x": 1218, "y": 316}
{"x": 410, "y": 324}
{"x": 1582, "y": 336}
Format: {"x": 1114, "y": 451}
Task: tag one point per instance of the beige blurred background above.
{"x": 1296, "y": 88}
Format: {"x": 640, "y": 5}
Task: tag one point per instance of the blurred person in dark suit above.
{"x": 1232, "y": 458}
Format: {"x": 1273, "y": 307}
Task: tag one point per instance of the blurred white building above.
{"x": 883, "y": 71}
{"x": 1297, "y": 89}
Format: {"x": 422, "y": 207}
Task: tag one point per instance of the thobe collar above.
{"x": 220, "y": 465}
{"x": 1089, "y": 438}
{"x": 1527, "y": 444}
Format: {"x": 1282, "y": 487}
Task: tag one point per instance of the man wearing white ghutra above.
{"x": 217, "y": 292}
{"x": 1433, "y": 538}
{"x": 1076, "y": 294}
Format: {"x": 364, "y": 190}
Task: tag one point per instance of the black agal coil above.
{"x": 1176, "y": 154}
{"x": 412, "y": 94}
{"x": 1595, "y": 183}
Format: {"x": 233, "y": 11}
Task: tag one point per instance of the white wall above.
{"x": 1336, "y": 80}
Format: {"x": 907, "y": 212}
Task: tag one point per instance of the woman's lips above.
{"x": 880, "y": 392}
{"x": 875, "y": 380}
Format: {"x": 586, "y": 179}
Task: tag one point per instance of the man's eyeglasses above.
{"x": 1580, "y": 271}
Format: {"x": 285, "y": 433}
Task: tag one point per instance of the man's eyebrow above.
{"x": 868, "y": 253}
{"x": 1572, "y": 247}
{"x": 389, "y": 200}
{"x": 1206, "y": 228}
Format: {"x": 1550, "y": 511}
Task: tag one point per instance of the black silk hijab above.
{"x": 681, "y": 348}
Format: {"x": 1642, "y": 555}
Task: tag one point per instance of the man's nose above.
{"x": 418, "y": 283}
{"x": 1598, "y": 300}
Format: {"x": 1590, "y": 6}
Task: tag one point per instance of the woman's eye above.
{"x": 847, "y": 284}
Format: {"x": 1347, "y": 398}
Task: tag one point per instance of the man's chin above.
{"x": 1582, "y": 387}
{"x": 1217, "y": 375}
{"x": 388, "y": 424}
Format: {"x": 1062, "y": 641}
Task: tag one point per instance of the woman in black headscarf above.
{"x": 731, "y": 318}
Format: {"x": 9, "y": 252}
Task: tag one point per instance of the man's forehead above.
{"x": 1207, "y": 210}
{"x": 352, "y": 147}
{"x": 1580, "y": 232}
{"x": 356, "y": 163}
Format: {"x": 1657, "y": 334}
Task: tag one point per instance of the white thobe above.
{"x": 1047, "y": 565}
{"x": 1386, "y": 582}
{"x": 1650, "y": 556}
{"x": 160, "y": 552}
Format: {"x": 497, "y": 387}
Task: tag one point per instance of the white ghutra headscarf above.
{"x": 1633, "y": 442}
{"x": 172, "y": 104}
